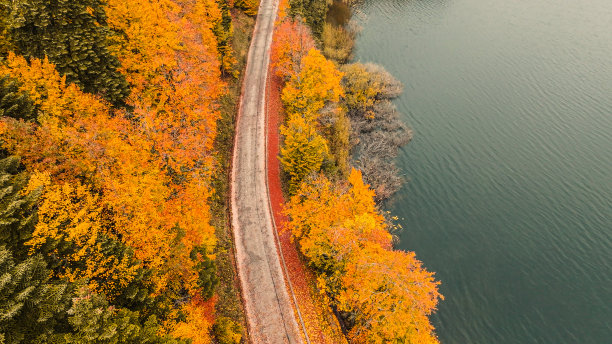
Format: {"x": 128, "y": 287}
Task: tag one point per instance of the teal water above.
{"x": 510, "y": 192}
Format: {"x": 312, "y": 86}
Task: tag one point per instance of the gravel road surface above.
{"x": 269, "y": 311}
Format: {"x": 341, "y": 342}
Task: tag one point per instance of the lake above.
{"x": 509, "y": 198}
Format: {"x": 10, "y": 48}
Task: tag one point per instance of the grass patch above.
{"x": 229, "y": 304}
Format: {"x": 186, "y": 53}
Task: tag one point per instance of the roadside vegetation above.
{"x": 341, "y": 134}
{"x": 116, "y": 124}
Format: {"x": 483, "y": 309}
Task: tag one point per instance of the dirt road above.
{"x": 269, "y": 311}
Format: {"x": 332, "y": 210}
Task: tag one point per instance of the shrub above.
{"x": 338, "y": 43}
{"x": 226, "y": 331}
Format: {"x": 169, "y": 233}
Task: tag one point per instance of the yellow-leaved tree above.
{"x": 390, "y": 296}
{"x": 388, "y": 293}
{"x": 317, "y": 84}
{"x": 71, "y": 226}
{"x": 303, "y": 151}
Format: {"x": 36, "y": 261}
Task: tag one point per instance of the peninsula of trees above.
{"x": 340, "y": 132}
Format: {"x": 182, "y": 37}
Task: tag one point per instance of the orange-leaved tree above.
{"x": 176, "y": 103}
{"x": 388, "y": 294}
{"x": 292, "y": 41}
{"x": 327, "y": 220}
{"x": 307, "y": 92}
{"x": 77, "y": 137}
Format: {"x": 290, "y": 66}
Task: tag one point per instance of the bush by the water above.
{"x": 377, "y": 132}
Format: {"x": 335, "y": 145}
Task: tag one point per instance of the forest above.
{"x": 116, "y": 125}
{"x": 108, "y": 131}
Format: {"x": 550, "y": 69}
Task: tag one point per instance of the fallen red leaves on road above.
{"x": 320, "y": 323}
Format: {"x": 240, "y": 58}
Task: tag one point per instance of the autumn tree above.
{"x": 197, "y": 322}
{"x": 390, "y": 296}
{"x": 292, "y": 41}
{"x": 123, "y": 193}
{"x": 303, "y": 150}
{"x": 386, "y": 295}
{"x": 73, "y": 35}
{"x": 320, "y": 205}
{"x": 327, "y": 219}
{"x": 317, "y": 84}
{"x": 79, "y": 137}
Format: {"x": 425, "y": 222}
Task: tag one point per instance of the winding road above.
{"x": 268, "y": 305}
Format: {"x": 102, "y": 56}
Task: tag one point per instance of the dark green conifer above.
{"x": 13, "y": 102}
{"x": 224, "y": 31}
{"x": 94, "y": 320}
{"x": 207, "y": 276}
{"x": 5, "y": 45}
{"x": 73, "y": 34}
{"x": 31, "y": 306}
{"x": 313, "y": 11}
{"x": 17, "y": 211}
{"x": 136, "y": 295}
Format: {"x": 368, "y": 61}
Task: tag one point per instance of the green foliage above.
{"x": 250, "y": 7}
{"x": 13, "y": 102}
{"x": 30, "y": 304}
{"x": 224, "y": 31}
{"x": 336, "y": 129}
{"x": 17, "y": 210}
{"x": 227, "y": 331}
{"x": 337, "y": 42}
{"x": 73, "y": 34}
{"x": 313, "y": 11}
{"x": 5, "y": 45}
{"x": 207, "y": 276}
{"x": 94, "y": 320}
{"x": 136, "y": 295}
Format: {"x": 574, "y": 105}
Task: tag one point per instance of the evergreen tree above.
{"x": 17, "y": 210}
{"x": 313, "y": 11}
{"x": 30, "y": 304}
{"x": 73, "y": 34}
{"x": 94, "y": 320}
{"x": 5, "y": 45}
{"x": 207, "y": 276}
{"x": 136, "y": 295}
{"x": 13, "y": 102}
